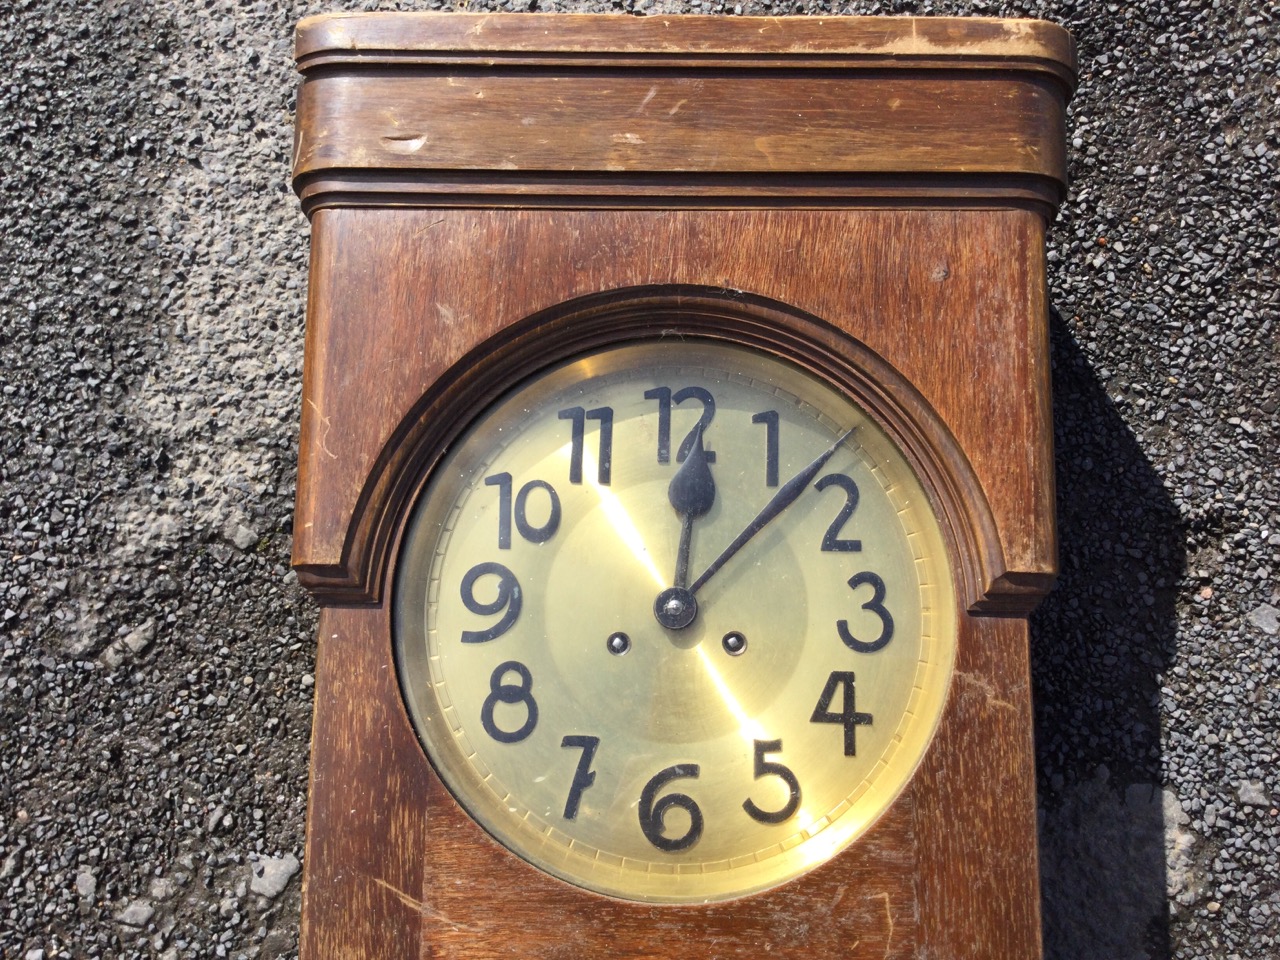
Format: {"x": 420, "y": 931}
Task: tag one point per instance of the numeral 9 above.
{"x": 509, "y": 598}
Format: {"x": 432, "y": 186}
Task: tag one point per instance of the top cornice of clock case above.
{"x": 594, "y": 40}
{"x": 573, "y": 110}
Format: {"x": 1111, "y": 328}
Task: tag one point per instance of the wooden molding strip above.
{"x": 742, "y": 42}
{"x": 520, "y": 190}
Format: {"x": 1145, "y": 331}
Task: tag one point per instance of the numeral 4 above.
{"x": 848, "y": 717}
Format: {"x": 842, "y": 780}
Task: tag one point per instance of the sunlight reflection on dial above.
{"x": 749, "y": 728}
{"x": 617, "y": 515}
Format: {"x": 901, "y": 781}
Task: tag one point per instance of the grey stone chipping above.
{"x": 156, "y": 655}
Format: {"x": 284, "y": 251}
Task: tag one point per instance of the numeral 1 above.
{"x": 770, "y": 420}
{"x": 530, "y": 532}
{"x": 604, "y": 466}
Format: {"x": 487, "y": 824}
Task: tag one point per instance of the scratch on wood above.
{"x": 419, "y": 906}
{"x": 888, "y": 913}
{"x": 431, "y": 225}
{"x": 406, "y": 144}
{"x": 985, "y": 688}
{"x": 327, "y": 427}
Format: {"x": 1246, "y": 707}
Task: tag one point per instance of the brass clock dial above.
{"x": 675, "y": 620}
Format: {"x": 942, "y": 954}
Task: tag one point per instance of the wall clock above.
{"x": 675, "y": 481}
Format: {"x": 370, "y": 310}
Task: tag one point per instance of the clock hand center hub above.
{"x": 675, "y": 608}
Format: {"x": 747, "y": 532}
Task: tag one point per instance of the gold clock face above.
{"x": 675, "y": 621}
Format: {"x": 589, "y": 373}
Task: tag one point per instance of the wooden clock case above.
{"x": 866, "y": 196}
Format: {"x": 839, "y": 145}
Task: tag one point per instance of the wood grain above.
{"x": 871, "y": 122}
{"x": 975, "y": 805}
{"x": 886, "y": 42}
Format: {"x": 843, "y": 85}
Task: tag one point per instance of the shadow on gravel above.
{"x": 1098, "y": 646}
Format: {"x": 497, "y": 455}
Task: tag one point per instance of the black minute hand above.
{"x": 785, "y": 496}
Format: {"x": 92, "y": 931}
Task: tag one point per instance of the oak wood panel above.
{"x": 870, "y": 122}
{"x": 400, "y": 296}
{"x": 366, "y": 816}
{"x": 976, "y": 805}
{"x": 891, "y": 177}
{"x": 394, "y": 868}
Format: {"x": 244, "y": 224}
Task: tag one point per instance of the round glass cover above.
{"x": 675, "y": 621}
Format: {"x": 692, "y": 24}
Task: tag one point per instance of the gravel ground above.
{"x": 155, "y": 650}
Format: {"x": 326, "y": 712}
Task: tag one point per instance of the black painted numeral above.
{"x": 770, "y": 420}
{"x": 583, "y": 776}
{"x": 539, "y": 533}
{"x": 769, "y": 768}
{"x": 500, "y": 692}
{"x": 503, "y": 482}
{"x": 663, "y": 396}
{"x": 579, "y": 416}
{"x": 653, "y": 812}
{"x": 665, "y": 399}
{"x": 876, "y": 606}
{"x": 509, "y": 597}
{"x": 848, "y": 717}
{"x": 833, "y": 540}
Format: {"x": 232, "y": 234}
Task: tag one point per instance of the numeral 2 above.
{"x": 833, "y": 540}
{"x": 665, "y": 399}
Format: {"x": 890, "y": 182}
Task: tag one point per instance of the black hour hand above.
{"x": 692, "y": 493}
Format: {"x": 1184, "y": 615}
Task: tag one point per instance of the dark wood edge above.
{"x": 492, "y": 189}
{"x": 428, "y": 63}
{"x": 552, "y": 336}
{"x": 616, "y": 40}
